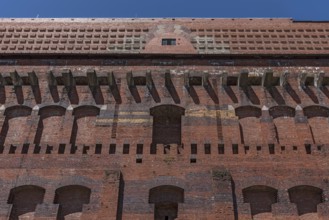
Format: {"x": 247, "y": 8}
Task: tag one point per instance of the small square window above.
{"x": 170, "y": 42}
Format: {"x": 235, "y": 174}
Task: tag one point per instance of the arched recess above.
{"x": 165, "y": 199}
{"x": 71, "y": 199}
{"x": 250, "y": 128}
{"x": 306, "y": 198}
{"x": 167, "y": 124}
{"x": 284, "y": 124}
{"x": 84, "y": 129}
{"x": 318, "y": 122}
{"x": 14, "y": 128}
{"x": 260, "y": 198}
{"x": 25, "y": 200}
{"x": 50, "y": 123}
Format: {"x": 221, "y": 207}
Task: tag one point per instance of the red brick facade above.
{"x": 99, "y": 120}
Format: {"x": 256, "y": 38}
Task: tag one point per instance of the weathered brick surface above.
{"x": 88, "y": 121}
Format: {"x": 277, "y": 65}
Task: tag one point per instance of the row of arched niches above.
{"x": 89, "y": 125}
{"x": 260, "y": 201}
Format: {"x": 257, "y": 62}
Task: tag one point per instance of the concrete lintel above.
{"x": 283, "y": 78}
{"x": 318, "y": 80}
{"x": 302, "y": 79}
{"x": 243, "y": 78}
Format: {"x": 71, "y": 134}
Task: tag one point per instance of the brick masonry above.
{"x": 229, "y": 133}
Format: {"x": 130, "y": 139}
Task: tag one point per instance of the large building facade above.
{"x": 164, "y": 119}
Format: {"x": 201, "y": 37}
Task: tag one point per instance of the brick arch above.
{"x": 260, "y": 198}
{"x": 250, "y": 128}
{"x": 306, "y": 198}
{"x": 14, "y": 126}
{"x": 50, "y": 123}
{"x": 71, "y": 199}
{"x": 25, "y": 199}
{"x": 284, "y": 124}
{"x": 318, "y": 123}
{"x": 84, "y": 125}
{"x": 167, "y": 124}
{"x": 166, "y": 199}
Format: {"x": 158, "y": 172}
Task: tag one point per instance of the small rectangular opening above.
{"x": 195, "y": 81}
{"x": 194, "y": 149}
{"x": 166, "y": 149}
{"x": 168, "y": 42}
{"x": 98, "y": 149}
{"x": 294, "y": 148}
{"x": 221, "y": 149}
{"x": 61, "y": 149}
{"x": 193, "y": 160}
{"x": 125, "y": 149}
{"x": 49, "y": 149}
{"x": 207, "y": 149}
{"x": 112, "y": 148}
{"x": 283, "y": 148}
{"x": 308, "y": 148}
{"x": 319, "y": 147}
{"x": 271, "y": 148}
{"x": 1, "y": 149}
{"x": 12, "y": 149}
{"x": 139, "y": 149}
{"x": 246, "y": 149}
{"x": 259, "y": 148}
{"x": 25, "y": 148}
{"x": 139, "y": 160}
{"x": 85, "y": 149}
{"x": 153, "y": 149}
{"x": 235, "y": 148}
{"x": 36, "y": 149}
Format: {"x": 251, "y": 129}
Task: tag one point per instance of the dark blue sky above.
{"x": 297, "y": 9}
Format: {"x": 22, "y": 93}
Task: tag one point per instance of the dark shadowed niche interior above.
{"x": 71, "y": 199}
{"x": 306, "y": 198}
{"x": 167, "y": 124}
{"x": 165, "y": 199}
{"x": 260, "y": 198}
{"x": 24, "y": 200}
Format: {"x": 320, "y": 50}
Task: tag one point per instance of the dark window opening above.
{"x": 85, "y": 149}
{"x": 1, "y": 149}
{"x": 168, "y": 41}
{"x": 283, "y": 148}
{"x": 220, "y": 148}
{"x": 73, "y": 149}
{"x": 125, "y": 149}
{"x": 319, "y": 147}
{"x": 194, "y": 149}
{"x": 37, "y": 149}
{"x": 167, "y": 124}
{"x": 308, "y": 148}
{"x": 98, "y": 149}
{"x": 112, "y": 148}
{"x": 294, "y": 148}
{"x": 207, "y": 149}
{"x": 193, "y": 160}
{"x": 153, "y": 149}
{"x": 235, "y": 149}
{"x": 246, "y": 149}
{"x": 139, "y": 160}
{"x": 139, "y": 80}
{"x": 139, "y": 149}
{"x": 195, "y": 81}
{"x": 259, "y": 148}
{"x": 12, "y": 149}
{"x": 49, "y": 149}
{"x": 271, "y": 148}
{"x": 25, "y": 148}
{"x": 166, "y": 149}
{"x": 61, "y": 149}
